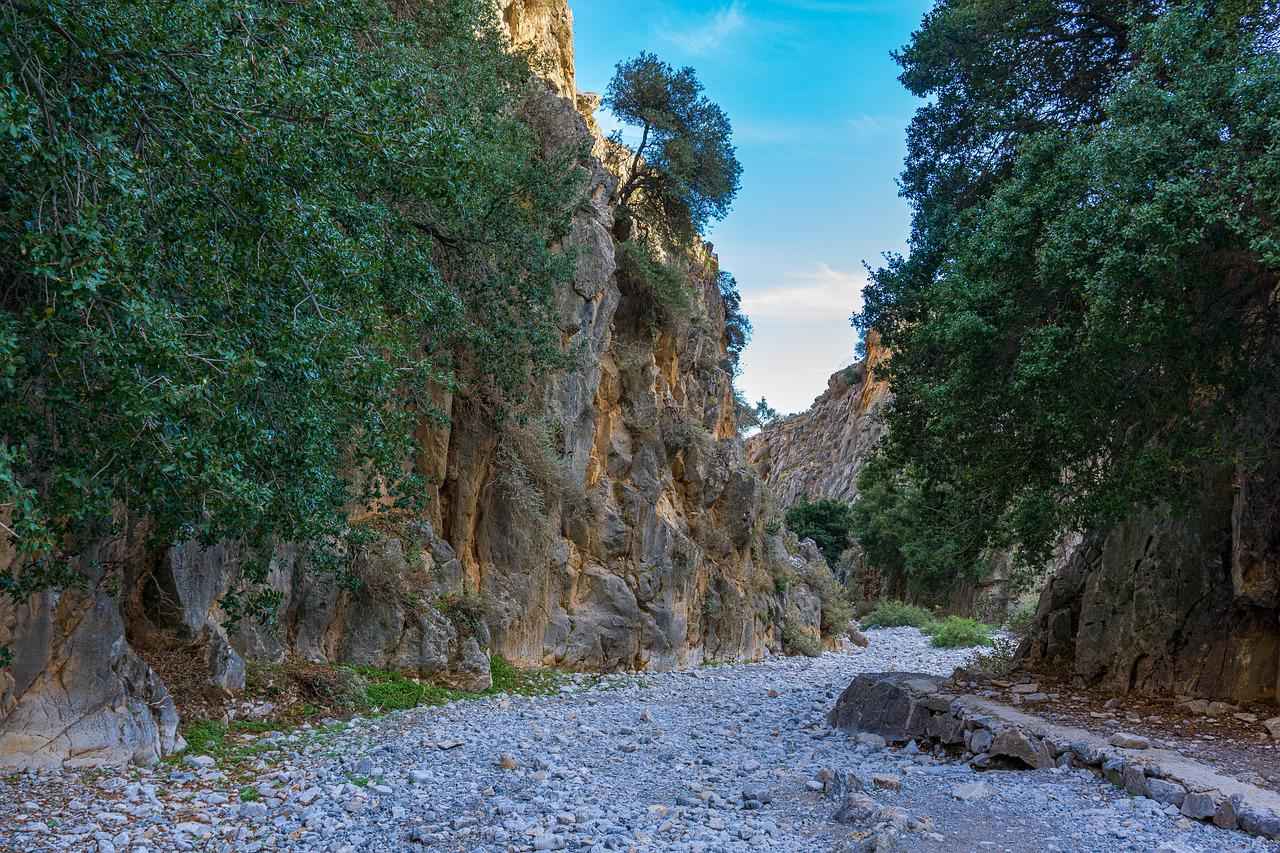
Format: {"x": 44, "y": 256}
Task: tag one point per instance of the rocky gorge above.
{"x": 617, "y": 525}
{"x": 739, "y": 757}
{"x": 597, "y": 633}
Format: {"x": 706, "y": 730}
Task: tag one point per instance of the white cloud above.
{"x": 814, "y": 294}
{"x": 802, "y": 335}
{"x": 708, "y": 34}
{"x": 874, "y": 125}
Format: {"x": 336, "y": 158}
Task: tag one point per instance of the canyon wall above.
{"x": 615, "y": 523}
{"x": 1183, "y": 602}
{"x": 819, "y": 452}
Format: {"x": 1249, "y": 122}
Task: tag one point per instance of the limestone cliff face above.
{"x": 615, "y": 524}
{"x": 818, "y": 453}
{"x": 1180, "y": 603}
{"x": 546, "y": 28}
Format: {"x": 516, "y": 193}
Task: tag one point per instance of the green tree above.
{"x": 737, "y": 325}
{"x": 750, "y": 416}
{"x": 765, "y": 413}
{"x": 1087, "y": 317}
{"x": 826, "y": 521}
{"x": 239, "y": 240}
{"x": 684, "y": 172}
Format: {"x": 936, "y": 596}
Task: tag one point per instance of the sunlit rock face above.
{"x": 818, "y": 453}
{"x": 546, "y": 28}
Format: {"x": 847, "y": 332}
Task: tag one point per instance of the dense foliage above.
{"x": 684, "y": 172}
{"x": 239, "y": 240}
{"x": 1088, "y": 315}
{"x": 826, "y": 521}
{"x": 737, "y": 325}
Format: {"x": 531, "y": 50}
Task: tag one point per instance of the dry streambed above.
{"x": 732, "y": 758}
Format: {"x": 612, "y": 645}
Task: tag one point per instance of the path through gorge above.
{"x": 731, "y": 758}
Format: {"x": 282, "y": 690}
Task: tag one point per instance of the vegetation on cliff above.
{"x": 683, "y": 173}
{"x": 1087, "y": 316}
{"x": 239, "y": 240}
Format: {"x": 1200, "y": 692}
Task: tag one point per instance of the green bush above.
{"x": 837, "y": 610}
{"x": 1001, "y": 660}
{"x": 395, "y": 693}
{"x": 956, "y": 632}
{"x": 797, "y": 641}
{"x": 1022, "y": 617}
{"x": 664, "y": 285}
{"x": 898, "y": 614}
{"x": 227, "y": 231}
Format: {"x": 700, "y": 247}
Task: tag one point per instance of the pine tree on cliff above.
{"x": 683, "y": 173}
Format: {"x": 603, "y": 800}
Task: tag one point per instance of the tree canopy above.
{"x": 1087, "y": 317}
{"x": 684, "y": 172}
{"x": 826, "y": 521}
{"x": 239, "y": 241}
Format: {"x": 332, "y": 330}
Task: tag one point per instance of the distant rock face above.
{"x": 818, "y": 453}
{"x": 618, "y": 525}
{"x": 1173, "y": 603}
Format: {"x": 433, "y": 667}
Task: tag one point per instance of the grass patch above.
{"x": 249, "y": 794}
{"x": 898, "y": 614}
{"x": 205, "y": 737}
{"x": 391, "y": 691}
{"x": 958, "y": 632}
{"x": 338, "y": 690}
{"x": 953, "y": 632}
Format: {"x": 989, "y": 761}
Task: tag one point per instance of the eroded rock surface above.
{"x": 1179, "y": 604}
{"x": 77, "y": 695}
{"x": 818, "y": 453}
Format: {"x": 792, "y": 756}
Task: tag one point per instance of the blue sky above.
{"x": 819, "y": 120}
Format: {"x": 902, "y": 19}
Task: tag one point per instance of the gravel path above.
{"x": 719, "y": 759}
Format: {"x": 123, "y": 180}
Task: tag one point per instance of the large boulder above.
{"x": 897, "y": 706}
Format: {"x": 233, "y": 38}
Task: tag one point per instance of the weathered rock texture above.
{"x": 818, "y": 453}
{"x": 909, "y": 706}
{"x": 77, "y": 695}
{"x": 546, "y": 28}
{"x": 619, "y": 525}
{"x": 1182, "y": 603}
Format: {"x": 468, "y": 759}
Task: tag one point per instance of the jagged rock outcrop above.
{"x": 1181, "y": 603}
{"x": 77, "y": 694}
{"x": 818, "y": 453}
{"x": 546, "y": 28}
{"x": 617, "y": 524}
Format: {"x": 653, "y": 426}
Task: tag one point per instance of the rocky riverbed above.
{"x": 731, "y": 758}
